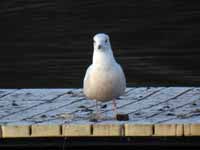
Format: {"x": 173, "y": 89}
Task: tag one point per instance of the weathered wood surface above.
{"x": 159, "y": 111}
{"x": 47, "y": 43}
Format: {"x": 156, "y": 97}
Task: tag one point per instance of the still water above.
{"x": 49, "y": 44}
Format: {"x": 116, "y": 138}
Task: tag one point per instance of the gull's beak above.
{"x": 99, "y": 47}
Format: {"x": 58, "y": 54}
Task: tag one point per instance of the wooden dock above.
{"x": 153, "y": 111}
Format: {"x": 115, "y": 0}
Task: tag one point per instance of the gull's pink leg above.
{"x": 97, "y": 110}
{"x": 114, "y": 106}
{"x": 96, "y": 106}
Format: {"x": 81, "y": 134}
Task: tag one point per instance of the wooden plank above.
{"x": 66, "y": 113}
{"x": 128, "y": 91}
{"x": 191, "y": 118}
{"x": 146, "y": 101}
{"x": 34, "y": 94}
{"x": 192, "y": 129}
{"x": 179, "y": 129}
{"x": 142, "y": 92}
{"x": 41, "y": 112}
{"x": 134, "y": 95}
{"x": 134, "y": 91}
{"x": 11, "y": 107}
{"x": 74, "y": 106}
{"x": 164, "y": 129}
{"x": 137, "y": 95}
{"x": 13, "y": 131}
{"x": 76, "y": 130}
{"x": 187, "y": 130}
{"x": 6, "y": 92}
{"x": 186, "y": 114}
{"x": 67, "y": 107}
{"x": 138, "y": 129}
{"x": 195, "y": 129}
{"x": 24, "y": 99}
{"x": 153, "y": 100}
{"x": 173, "y": 109}
{"x": 35, "y": 108}
{"x": 63, "y": 107}
{"x": 70, "y": 130}
{"x": 45, "y": 130}
{"x": 168, "y": 130}
{"x": 107, "y": 130}
{"x": 109, "y": 106}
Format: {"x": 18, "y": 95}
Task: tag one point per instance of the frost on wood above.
{"x": 69, "y": 106}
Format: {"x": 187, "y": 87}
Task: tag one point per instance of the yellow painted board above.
{"x": 76, "y": 130}
{"x": 165, "y": 129}
{"x": 195, "y": 129}
{"x": 179, "y": 130}
{"x": 138, "y": 130}
{"x": 187, "y": 131}
{"x": 14, "y": 131}
{"x": 107, "y": 130}
{"x": 45, "y": 130}
{"x": 192, "y": 130}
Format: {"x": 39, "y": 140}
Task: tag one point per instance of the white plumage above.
{"x": 104, "y": 79}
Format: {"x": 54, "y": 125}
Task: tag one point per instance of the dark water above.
{"x": 44, "y": 43}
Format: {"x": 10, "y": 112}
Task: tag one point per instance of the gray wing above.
{"x": 87, "y": 74}
{"x": 123, "y": 79}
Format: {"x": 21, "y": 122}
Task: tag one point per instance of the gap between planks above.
{"x": 84, "y": 130}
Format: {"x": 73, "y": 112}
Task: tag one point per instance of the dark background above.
{"x": 44, "y": 43}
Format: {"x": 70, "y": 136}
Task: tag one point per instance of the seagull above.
{"x": 104, "y": 79}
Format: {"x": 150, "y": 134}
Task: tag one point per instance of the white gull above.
{"x": 104, "y": 79}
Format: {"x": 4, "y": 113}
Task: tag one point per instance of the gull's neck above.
{"x": 103, "y": 58}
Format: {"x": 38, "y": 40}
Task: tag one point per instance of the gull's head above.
{"x": 101, "y": 42}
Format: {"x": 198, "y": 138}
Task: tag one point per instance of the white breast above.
{"x": 104, "y": 83}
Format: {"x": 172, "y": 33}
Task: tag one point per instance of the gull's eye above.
{"x": 106, "y": 41}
